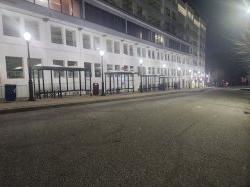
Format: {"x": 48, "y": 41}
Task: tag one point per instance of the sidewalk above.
{"x": 21, "y": 106}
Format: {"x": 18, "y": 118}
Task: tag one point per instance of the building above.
{"x": 167, "y": 36}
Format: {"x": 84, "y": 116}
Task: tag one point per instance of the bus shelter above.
{"x": 149, "y": 83}
{"x": 119, "y": 82}
{"x": 54, "y": 81}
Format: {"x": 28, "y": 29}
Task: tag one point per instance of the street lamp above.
{"x": 141, "y": 62}
{"x": 27, "y": 37}
{"x": 248, "y": 10}
{"x": 101, "y": 52}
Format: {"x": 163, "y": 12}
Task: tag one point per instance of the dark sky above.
{"x": 226, "y": 19}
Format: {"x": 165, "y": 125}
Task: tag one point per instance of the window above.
{"x": 33, "y": 28}
{"x": 153, "y": 71}
{"x": 149, "y": 70}
{"x": 55, "y": 5}
{"x": 138, "y": 51}
{"x": 131, "y": 50}
{"x": 97, "y": 43}
{"x": 117, "y": 67}
{"x": 35, "y": 62}
{"x": 132, "y": 68}
{"x": 11, "y": 26}
{"x": 76, "y": 8}
{"x": 14, "y": 67}
{"x": 109, "y": 67}
{"x": 70, "y": 73}
{"x": 109, "y": 46}
{"x": 56, "y": 35}
{"x": 125, "y": 49}
{"x": 158, "y": 56}
{"x": 86, "y": 41}
{"x": 143, "y": 52}
{"x": 125, "y": 68}
{"x": 153, "y": 55}
{"x": 117, "y": 47}
{"x": 162, "y": 56}
{"x": 67, "y": 7}
{"x": 149, "y": 54}
{"x": 97, "y": 70}
{"x": 106, "y": 19}
{"x": 58, "y": 63}
{"x": 87, "y": 66}
{"x": 158, "y": 70}
{"x": 70, "y": 38}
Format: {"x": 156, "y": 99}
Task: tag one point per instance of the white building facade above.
{"x": 66, "y": 33}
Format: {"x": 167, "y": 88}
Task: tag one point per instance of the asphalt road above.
{"x": 198, "y": 139}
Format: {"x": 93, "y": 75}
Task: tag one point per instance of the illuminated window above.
{"x": 55, "y": 5}
{"x": 33, "y": 28}
{"x": 67, "y": 7}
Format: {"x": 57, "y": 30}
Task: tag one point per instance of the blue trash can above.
{"x": 10, "y": 92}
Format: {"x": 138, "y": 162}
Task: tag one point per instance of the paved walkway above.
{"x": 20, "y": 106}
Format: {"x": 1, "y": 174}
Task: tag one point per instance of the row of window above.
{"x": 14, "y": 68}
{"x": 69, "y": 7}
{"x": 12, "y": 25}
{"x": 104, "y": 18}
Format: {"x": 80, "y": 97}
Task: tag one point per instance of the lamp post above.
{"x": 141, "y": 62}
{"x": 27, "y": 37}
{"x": 179, "y": 70}
{"x": 101, "y": 52}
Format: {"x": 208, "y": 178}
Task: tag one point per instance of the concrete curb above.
{"x": 34, "y": 108}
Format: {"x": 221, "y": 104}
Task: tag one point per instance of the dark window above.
{"x": 98, "y": 70}
{"x": 11, "y": 26}
{"x": 104, "y": 18}
{"x": 14, "y": 67}
{"x": 138, "y": 31}
{"x": 87, "y": 66}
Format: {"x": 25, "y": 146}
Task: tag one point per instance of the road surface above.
{"x": 197, "y": 139}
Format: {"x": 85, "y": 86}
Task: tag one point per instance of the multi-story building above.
{"x": 166, "y": 35}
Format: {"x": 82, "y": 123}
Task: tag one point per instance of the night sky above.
{"x": 226, "y": 19}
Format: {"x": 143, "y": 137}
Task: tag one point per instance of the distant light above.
{"x": 179, "y": 69}
{"x": 101, "y": 53}
{"x": 141, "y": 61}
{"x": 190, "y": 71}
{"x": 248, "y": 11}
{"x": 164, "y": 65}
{"x": 199, "y": 72}
{"x": 27, "y": 36}
{"x": 18, "y": 68}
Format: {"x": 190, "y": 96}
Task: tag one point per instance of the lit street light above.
{"x": 101, "y": 52}
{"x": 27, "y": 37}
